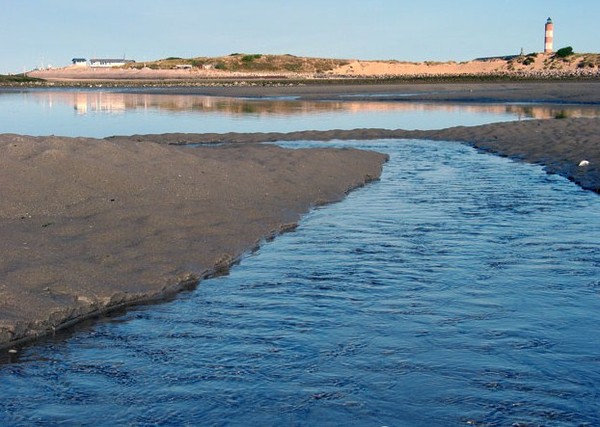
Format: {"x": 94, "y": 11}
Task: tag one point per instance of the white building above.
{"x": 80, "y": 62}
{"x": 107, "y": 63}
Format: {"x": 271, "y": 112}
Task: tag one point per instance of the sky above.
{"x": 39, "y": 33}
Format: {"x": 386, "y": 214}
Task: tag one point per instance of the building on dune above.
{"x": 80, "y": 62}
{"x": 107, "y": 63}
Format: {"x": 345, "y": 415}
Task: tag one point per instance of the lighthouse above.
{"x": 549, "y": 36}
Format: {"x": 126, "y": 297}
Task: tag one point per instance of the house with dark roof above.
{"x": 81, "y": 62}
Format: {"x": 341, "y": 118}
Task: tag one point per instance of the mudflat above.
{"x": 573, "y": 91}
{"x": 560, "y": 145}
{"x": 90, "y": 225}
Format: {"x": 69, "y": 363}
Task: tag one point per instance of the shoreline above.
{"x": 559, "y": 145}
{"x": 70, "y": 201}
{"x": 91, "y": 226}
{"x": 576, "y": 92}
{"x": 63, "y": 255}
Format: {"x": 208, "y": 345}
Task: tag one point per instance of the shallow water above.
{"x": 101, "y": 113}
{"x": 461, "y": 289}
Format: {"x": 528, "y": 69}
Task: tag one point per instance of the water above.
{"x": 461, "y": 289}
{"x": 101, "y": 113}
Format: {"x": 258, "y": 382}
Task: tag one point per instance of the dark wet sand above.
{"x": 575, "y": 91}
{"x": 91, "y": 225}
{"x": 557, "y": 144}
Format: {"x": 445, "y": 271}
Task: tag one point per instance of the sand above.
{"x": 560, "y": 145}
{"x": 557, "y": 144}
{"x": 534, "y": 65}
{"x": 91, "y": 225}
{"x": 571, "y": 92}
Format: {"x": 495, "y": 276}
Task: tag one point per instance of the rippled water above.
{"x": 461, "y": 289}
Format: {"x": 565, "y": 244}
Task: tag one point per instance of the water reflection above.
{"x": 110, "y": 102}
{"x": 102, "y": 113}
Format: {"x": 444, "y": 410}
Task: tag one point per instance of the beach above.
{"x": 560, "y": 92}
{"x": 93, "y": 225}
{"x": 559, "y": 145}
{"x": 90, "y": 225}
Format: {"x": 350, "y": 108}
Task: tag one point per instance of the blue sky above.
{"x": 43, "y": 32}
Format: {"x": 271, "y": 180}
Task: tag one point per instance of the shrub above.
{"x": 529, "y": 60}
{"x": 584, "y": 63}
{"x": 250, "y": 58}
{"x": 564, "y": 52}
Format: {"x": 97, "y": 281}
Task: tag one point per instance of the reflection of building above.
{"x": 104, "y": 62}
{"x": 96, "y": 102}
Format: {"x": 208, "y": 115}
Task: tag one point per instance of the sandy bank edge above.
{"x": 333, "y": 188}
{"x": 25, "y": 333}
{"x": 559, "y": 145}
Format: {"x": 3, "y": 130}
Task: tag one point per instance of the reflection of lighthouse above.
{"x": 549, "y": 36}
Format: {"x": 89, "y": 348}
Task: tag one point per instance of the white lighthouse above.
{"x": 549, "y": 36}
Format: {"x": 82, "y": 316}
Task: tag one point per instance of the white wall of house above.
{"x": 107, "y": 63}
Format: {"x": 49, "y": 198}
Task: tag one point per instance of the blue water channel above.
{"x": 461, "y": 289}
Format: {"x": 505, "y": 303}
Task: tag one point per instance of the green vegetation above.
{"x": 589, "y": 60}
{"x": 564, "y": 52}
{"x": 251, "y": 58}
{"x": 17, "y": 79}
{"x": 523, "y": 60}
{"x": 249, "y": 63}
{"x": 528, "y": 60}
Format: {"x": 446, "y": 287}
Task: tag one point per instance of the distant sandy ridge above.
{"x": 533, "y": 65}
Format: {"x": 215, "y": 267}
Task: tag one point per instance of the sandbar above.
{"x": 559, "y": 145}
{"x": 92, "y": 225}
{"x": 498, "y": 91}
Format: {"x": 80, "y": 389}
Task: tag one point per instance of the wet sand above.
{"x": 92, "y": 225}
{"x": 557, "y": 144}
{"x": 573, "y": 91}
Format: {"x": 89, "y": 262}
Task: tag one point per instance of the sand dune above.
{"x": 534, "y": 65}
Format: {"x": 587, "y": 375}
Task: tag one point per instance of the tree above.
{"x": 564, "y": 52}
